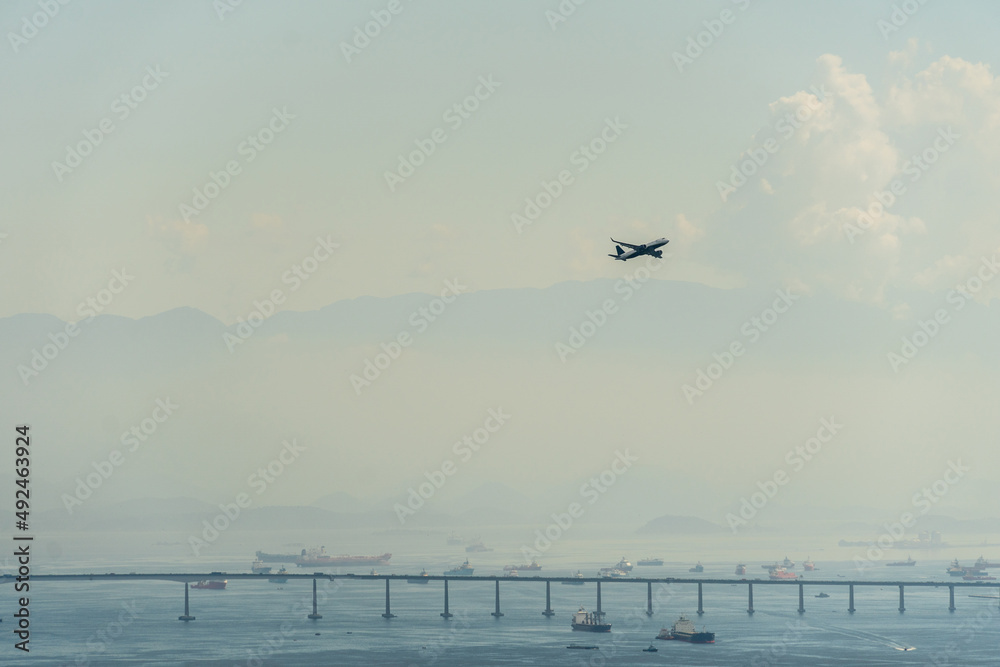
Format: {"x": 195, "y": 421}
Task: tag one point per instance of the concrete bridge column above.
{"x": 850, "y": 604}
{"x": 497, "y": 613}
{"x": 802, "y": 605}
{"x": 446, "y": 613}
{"x": 749, "y": 598}
{"x": 649, "y": 598}
{"x": 701, "y": 609}
{"x": 387, "y": 614}
{"x": 902, "y": 607}
{"x": 315, "y": 616}
{"x": 599, "y": 612}
{"x": 187, "y": 615}
{"x": 951, "y": 597}
{"x": 548, "y": 599}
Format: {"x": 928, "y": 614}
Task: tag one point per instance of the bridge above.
{"x": 187, "y": 577}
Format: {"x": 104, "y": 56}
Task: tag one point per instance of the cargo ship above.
{"x": 780, "y": 573}
{"x": 697, "y": 568}
{"x": 277, "y": 578}
{"x": 211, "y": 585}
{"x": 808, "y": 565}
{"x": 258, "y": 567}
{"x": 909, "y": 562}
{"x": 532, "y": 567}
{"x": 979, "y": 575}
{"x": 319, "y": 558}
{"x": 612, "y": 573}
{"x": 983, "y": 564}
{"x": 741, "y": 569}
{"x": 573, "y": 581}
{"x": 684, "y": 631}
{"x": 624, "y": 565}
{"x": 650, "y": 561}
{"x": 586, "y": 621}
{"x": 478, "y": 547}
{"x": 957, "y": 570}
{"x": 463, "y": 570}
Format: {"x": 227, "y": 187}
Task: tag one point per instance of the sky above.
{"x": 209, "y": 154}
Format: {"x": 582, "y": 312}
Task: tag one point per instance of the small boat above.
{"x": 582, "y": 647}
{"x": 741, "y": 569}
{"x": 258, "y": 567}
{"x": 788, "y": 564}
{"x": 808, "y": 565}
{"x": 211, "y": 585}
{"x": 697, "y": 568}
{"x": 578, "y": 575}
{"x": 373, "y": 573}
{"x": 463, "y": 570}
{"x": 589, "y": 621}
{"x": 421, "y": 578}
{"x": 279, "y": 579}
{"x": 955, "y": 569}
{"x": 651, "y": 649}
{"x": 612, "y": 573}
{"x": 650, "y": 561}
{"x": 822, "y": 595}
{"x": 511, "y": 573}
{"x": 684, "y": 630}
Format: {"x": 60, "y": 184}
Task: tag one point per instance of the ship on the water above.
{"x": 697, "y": 568}
{"x": 741, "y": 569}
{"x": 978, "y": 576}
{"x": 477, "y": 547}
{"x": 463, "y": 570}
{"x": 454, "y": 540}
{"x": 808, "y": 565}
{"x": 211, "y": 585}
{"x": 258, "y": 567}
{"x": 624, "y": 565}
{"x": 277, "y": 578}
{"x": 531, "y": 567}
{"x": 421, "y": 578}
{"x": 319, "y": 558}
{"x": 983, "y": 564}
{"x": 909, "y": 562}
{"x": 780, "y": 573}
{"x": 650, "y": 561}
{"x": 684, "y": 630}
{"x": 577, "y": 580}
{"x": 587, "y": 621}
{"x": 612, "y": 573}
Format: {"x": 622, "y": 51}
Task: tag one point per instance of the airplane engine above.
{"x": 657, "y": 254}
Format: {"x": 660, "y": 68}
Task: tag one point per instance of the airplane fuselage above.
{"x": 650, "y": 248}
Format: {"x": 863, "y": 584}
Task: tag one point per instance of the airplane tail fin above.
{"x": 618, "y": 248}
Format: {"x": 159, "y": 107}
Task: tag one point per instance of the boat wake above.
{"x": 868, "y": 636}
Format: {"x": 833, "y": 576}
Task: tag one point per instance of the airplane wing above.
{"x": 628, "y": 245}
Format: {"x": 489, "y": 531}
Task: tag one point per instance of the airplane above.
{"x": 639, "y": 250}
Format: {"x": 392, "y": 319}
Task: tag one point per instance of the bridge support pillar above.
{"x": 548, "y": 599}
{"x": 902, "y": 607}
{"x": 951, "y": 597}
{"x": 649, "y": 598}
{"x": 388, "y": 613}
{"x": 701, "y": 609}
{"x": 599, "y": 612}
{"x": 446, "y": 613}
{"x": 850, "y": 604}
{"x": 802, "y": 602}
{"x": 749, "y": 598}
{"x": 187, "y": 612}
{"x": 497, "y": 613}
{"x": 315, "y": 616}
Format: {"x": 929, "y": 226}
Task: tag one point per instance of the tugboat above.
{"x": 808, "y": 565}
{"x": 788, "y": 564}
{"x": 984, "y": 564}
{"x": 578, "y": 575}
{"x": 684, "y": 631}
{"x": 421, "y": 578}
{"x": 741, "y": 569}
{"x": 612, "y": 573}
{"x": 463, "y": 570}
{"x": 822, "y": 595}
{"x": 587, "y": 621}
{"x": 956, "y": 570}
{"x": 651, "y": 649}
{"x": 211, "y": 585}
{"x": 902, "y": 563}
{"x": 697, "y": 568}
{"x": 279, "y": 579}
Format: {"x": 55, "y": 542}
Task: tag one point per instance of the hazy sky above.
{"x": 181, "y": 154}
{"x": 222, "y": 74}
